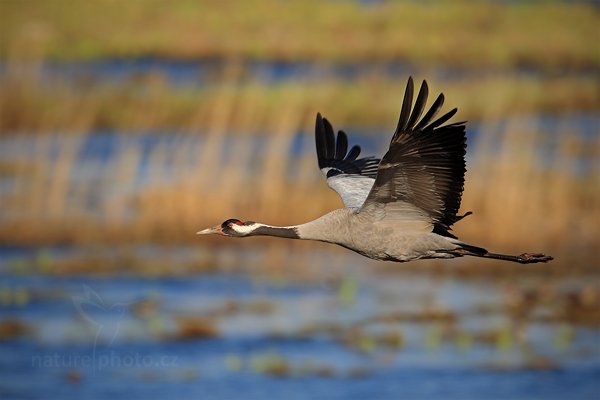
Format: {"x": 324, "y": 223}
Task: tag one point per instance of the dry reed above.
{"x": 30, "y": 105}
{"x": 195, "y": 182}
{"x": 547, "y": 35}
{"x": 242, "y": 164}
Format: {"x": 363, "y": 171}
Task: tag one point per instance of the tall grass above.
{"x": 146, "y": 102}
{"x": 520, "y": 203}
{"x": 211, "y": 168}
{"x": 548, "y": 35}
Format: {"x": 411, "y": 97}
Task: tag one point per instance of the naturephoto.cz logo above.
{"x": 110, "y": 359}
{"x": 103, "y": 321}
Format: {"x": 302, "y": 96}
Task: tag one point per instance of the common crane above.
{"x": 398, "y": 208}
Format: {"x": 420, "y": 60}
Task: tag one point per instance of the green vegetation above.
{"x": 547, "y": 34}
{"x": 148, "y": 103}
{"x": 491, "y": 40}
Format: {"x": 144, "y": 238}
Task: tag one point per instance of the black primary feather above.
{"x": 425, "y": 164}
{"x": 333, "y": 153}
{"x": 419, "y": 106}
{"x": 341, "y": 146}
{"x": 433, "y": 110}
{"x": 406, "y": 106}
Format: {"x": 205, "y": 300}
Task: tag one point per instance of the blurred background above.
{"x": 128, "y": 126}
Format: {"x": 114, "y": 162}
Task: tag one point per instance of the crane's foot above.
{"x": 527, "y": 258}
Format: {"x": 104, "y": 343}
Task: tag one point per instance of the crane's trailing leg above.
{"x": 525, "y": 258}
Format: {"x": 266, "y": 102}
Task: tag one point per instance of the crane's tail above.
{"x": 525, "y": 258}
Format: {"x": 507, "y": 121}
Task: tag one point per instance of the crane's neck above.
{"x": 289, "y": 232}
{"x": 326, "y": 228}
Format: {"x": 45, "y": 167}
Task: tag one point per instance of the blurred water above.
{"x": 119, "y": 337}
{"x": 122, "y": 336}
{"x": 99, "y": 149}
{"x": 191, "y": 73}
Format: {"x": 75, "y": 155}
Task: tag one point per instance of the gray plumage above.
{"x": 353, "y": 189}
{"x": 397, "y": 208}
{"x": 350, "y": 177}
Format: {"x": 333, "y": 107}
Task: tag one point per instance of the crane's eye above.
{"x": 230, "y": 222}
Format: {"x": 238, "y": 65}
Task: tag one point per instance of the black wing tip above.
{"x": 333, "y": 151}
{"x": 443, "y": 119}
{"x": 329, "y": 146}
{"x": 320, "y": 116}
{"x": 318, "y": 121}
{"x": 407, "y": 101}
{"x": 353, "y": 153}
{"x": 321, "y": 141}
{"x": 410, "y": 115}
{"x": 341, "y": 145}
{"x": 319, "y": 128}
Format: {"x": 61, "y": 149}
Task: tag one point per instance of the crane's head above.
{"x": 232, "y": 227}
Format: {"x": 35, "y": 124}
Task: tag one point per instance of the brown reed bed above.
{"x": 147, "y": 102}
{"x": 519, "y": 205}
{"x": 548, "y": 35}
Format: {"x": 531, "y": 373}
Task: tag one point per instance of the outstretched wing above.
{"x": 421, "y": 177}
{"x": 351, "y": 177}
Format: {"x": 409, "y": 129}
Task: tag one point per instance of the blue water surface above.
{"x": 67, "y": 356}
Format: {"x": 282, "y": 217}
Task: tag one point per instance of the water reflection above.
{"x": 364, "y": 327}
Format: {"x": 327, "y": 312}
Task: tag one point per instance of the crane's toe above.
{"x": 534, "y": 258}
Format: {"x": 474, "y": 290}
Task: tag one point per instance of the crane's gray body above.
{"x": 372, "y": 236}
